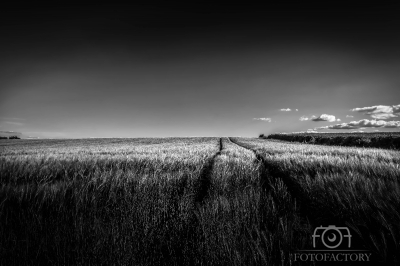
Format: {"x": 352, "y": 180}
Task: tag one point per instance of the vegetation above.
{"x": 353, "y": 187}
{"x": 389, "y": 140}
{"x": 11, "y": 137}
{"x": 99, "y": 202}
{"x": 190, "y": 201}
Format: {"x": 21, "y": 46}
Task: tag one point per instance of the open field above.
{"x": 191, "y": 201}
{"x": 355, "y": 187}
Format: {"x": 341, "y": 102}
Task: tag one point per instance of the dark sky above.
{"x": 76, "y": 71}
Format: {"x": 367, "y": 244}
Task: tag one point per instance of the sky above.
{"x": 161, "y": 70}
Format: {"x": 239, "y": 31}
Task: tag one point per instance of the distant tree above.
{"x": 3, "y": 138}
{"x": 14, "y": 137}
{"x": 261, "y": 136}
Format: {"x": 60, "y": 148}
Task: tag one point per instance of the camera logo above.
{"x": 331, "y": 236}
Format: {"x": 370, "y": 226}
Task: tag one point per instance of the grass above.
{"x": 354, "y": 187}
{"x": 88, "y": 203}
{"x": 190, "y": 201}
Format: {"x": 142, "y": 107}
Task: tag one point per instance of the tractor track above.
{"x": 271, "y": 171}
{"x": 190, "y": 225}
{"x": 308, "y": 206}
{"x": 315, "y": 214}
{"x": 203, "y": 183}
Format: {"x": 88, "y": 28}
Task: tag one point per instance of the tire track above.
{"x": 203, "y": 184}
{"x": 269, "y": 170}
{"x": 188, "y": 227}
{"x": 308, "y": 206}
{"x": 191, "y": 226}
{"x": 316, "y": 215}
{"x": 264, "y": 173}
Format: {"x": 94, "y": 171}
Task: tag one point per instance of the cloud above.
{"x": 356, "y": 131}
{"x": 286, "y": 110}
{"x": 266, "y": 119}
{"x": 12, "y": 118}
{"x": 374, "y": 109}
{"x": 364, "y": 123}
{"x": 349, "y": 116}
{"x": 46, "y": 134}
{"x": 392, "y": 124}
{"x": 383, "y": 116}
{"x": 300, "y": 132}
{"x": 324, "y": 117}
{"x": 14, "y": 123}
{"x": 380, "y": 111}
{"x": 297, "y": 110}
{"x": 10, "y": 132}
{"x": 305, "y": 118}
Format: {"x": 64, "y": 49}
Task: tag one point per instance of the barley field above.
{"x": 191, "y": 201}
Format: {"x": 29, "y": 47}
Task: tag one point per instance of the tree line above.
{"x": 10, "y": 137}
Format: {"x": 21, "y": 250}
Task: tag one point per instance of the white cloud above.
{"x": 349, "y": 116}
{"x": 46, "y": 134}
{"x": 338, "y": 120}
{"x": 286, "y": 110}
{"x": 356, "y": 131}
{"x": 380, "y": 111}
{"x": 12, "y": 118}
{"x": 392, "y": 124}
{"x": 266, "y": 119}
{"x": 14, "y": 123}
{"x": 364, "y": 123}
{"x": 383, "y": 116}
{"x": 297, "y": 110}
{"x": 5, "y": 131}
{"x": 304, "y": 118}
{"x": 308, "y": 131}
{"x": 324, "y": 117}
{"x": 375, "y": 109}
